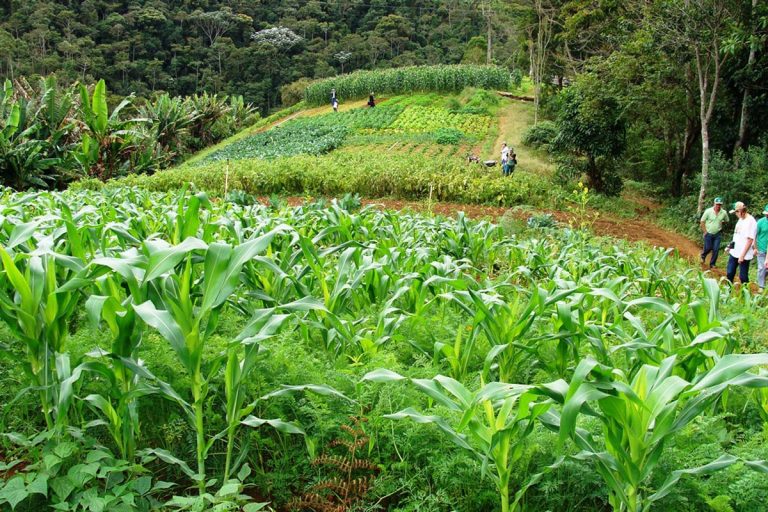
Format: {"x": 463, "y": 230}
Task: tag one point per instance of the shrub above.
{"x": 448, "y": 136}
{"x": 540, "y": 135}
{"x": 291, "y": 94}
{"x": 441, "y": 78}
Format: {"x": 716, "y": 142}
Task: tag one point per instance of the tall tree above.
{"x": 697, "y": 29}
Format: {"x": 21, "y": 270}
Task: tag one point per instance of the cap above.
{"x": 738, "y": 205}
{"x": 718, "y": 200}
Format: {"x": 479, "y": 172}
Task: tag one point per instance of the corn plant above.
{"x": 242, "y": 358}
{"x": 407, "y": 79}
{"x": 191, "y": 310}
{"x": 639, "y": 413}
{"x": 39, "y": 295}
{"x": 491, "y": 423}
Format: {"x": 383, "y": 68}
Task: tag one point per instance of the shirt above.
{"x": 762, "y": 235}
{"x": 746, "y": 229}
{"x": 504, "y": 154}
{"x": 713, "y": 222}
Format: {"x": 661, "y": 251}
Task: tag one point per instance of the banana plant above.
{"x": 107, "y": 138}
{"x": 639, "y": 413}
{"x": 491, "y": 423}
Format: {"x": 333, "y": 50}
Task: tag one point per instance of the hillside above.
{"x": 405, "y": 133}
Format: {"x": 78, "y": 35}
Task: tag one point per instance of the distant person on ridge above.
{"x": 761, "y": 241}
{"x": 371, "y": 101}
{"x": 712, "y": 227}
{"x": 741, "y": 249}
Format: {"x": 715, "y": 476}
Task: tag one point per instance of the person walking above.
{"x": 761, "y": 242}
{"x": 371, "y": 100}
{"x": 335, "y": 104}
{"x": 504, "y": 153}
{"x": 712, "y": 226}
{"x": 741, "y": 249}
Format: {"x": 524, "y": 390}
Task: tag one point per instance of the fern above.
{"x": 350, "y": 476}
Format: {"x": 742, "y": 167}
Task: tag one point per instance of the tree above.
{"x": 593, "y": 130}
{"x": 342, "y": 57}
{"x": 214, "y": 24}
{"x": 697, "y": 29}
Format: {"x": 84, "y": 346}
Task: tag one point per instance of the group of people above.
{"x": 750, "y": 237}
{"x": 508, "y": 160}
{"x": 335, "y": 100}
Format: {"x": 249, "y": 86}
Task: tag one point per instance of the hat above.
{"x": 738, "y": 205}
{"x": 718, "y": 200}
{"x": 765, "y": 210}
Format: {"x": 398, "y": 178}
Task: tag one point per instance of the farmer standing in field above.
{"x": 741, "y": 249}
{"x": 712, "y": 227}
{"x": 761, "y": 242}
{"x": 504, "y": 153}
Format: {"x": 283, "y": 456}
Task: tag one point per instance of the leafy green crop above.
{"x": 302, "y": 136}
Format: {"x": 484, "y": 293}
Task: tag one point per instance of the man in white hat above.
{"x": 761, "y": 241}
{"x": 742, "y": 249}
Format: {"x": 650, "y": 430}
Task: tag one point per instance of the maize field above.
{"x": 442, "y": 78}
{"x": 227, "y": 340}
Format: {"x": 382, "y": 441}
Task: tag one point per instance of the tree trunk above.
{"x": 740, "y": 142}
{"x": 488, "y": 53}
{"x": 704, "y": 164}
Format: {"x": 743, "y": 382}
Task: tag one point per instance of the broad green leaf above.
{"x": 277, "y": 424}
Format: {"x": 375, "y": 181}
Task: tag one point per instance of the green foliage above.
{"x": 540, "y": 135}
{"x": 49, "y": 139}
{"x": 293, "y": 93}
{"x": 590, "y": 127}
{"x": 417, "y": 119}
{"x": 302, "y": 136}
{"x": 407, "y": 80}
{"x": 212, "y": 320}
{"x": 77, "y": 474}
{"x": 448, "y": 136}
{"x": 398, "y": 175}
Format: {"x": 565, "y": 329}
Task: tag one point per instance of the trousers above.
{"x": 730, "y": 271}
{"x": 711, "y": 243}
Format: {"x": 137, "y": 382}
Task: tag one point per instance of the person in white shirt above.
{"x": 742, "y": 249}
{"x": 505, "y": 153}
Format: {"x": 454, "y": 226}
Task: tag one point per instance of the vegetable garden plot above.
{"x": 301, "y": 136}
{"x": 418, "y": 119}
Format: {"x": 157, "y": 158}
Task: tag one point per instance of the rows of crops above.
{"x": 406, "y": 80}
{"x": 302, "y": 136}
{"x": 495, "y": 340}
{"x": 321, "y": 134}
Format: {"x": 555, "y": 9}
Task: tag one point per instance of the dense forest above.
{"x": 235, "y": 47}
